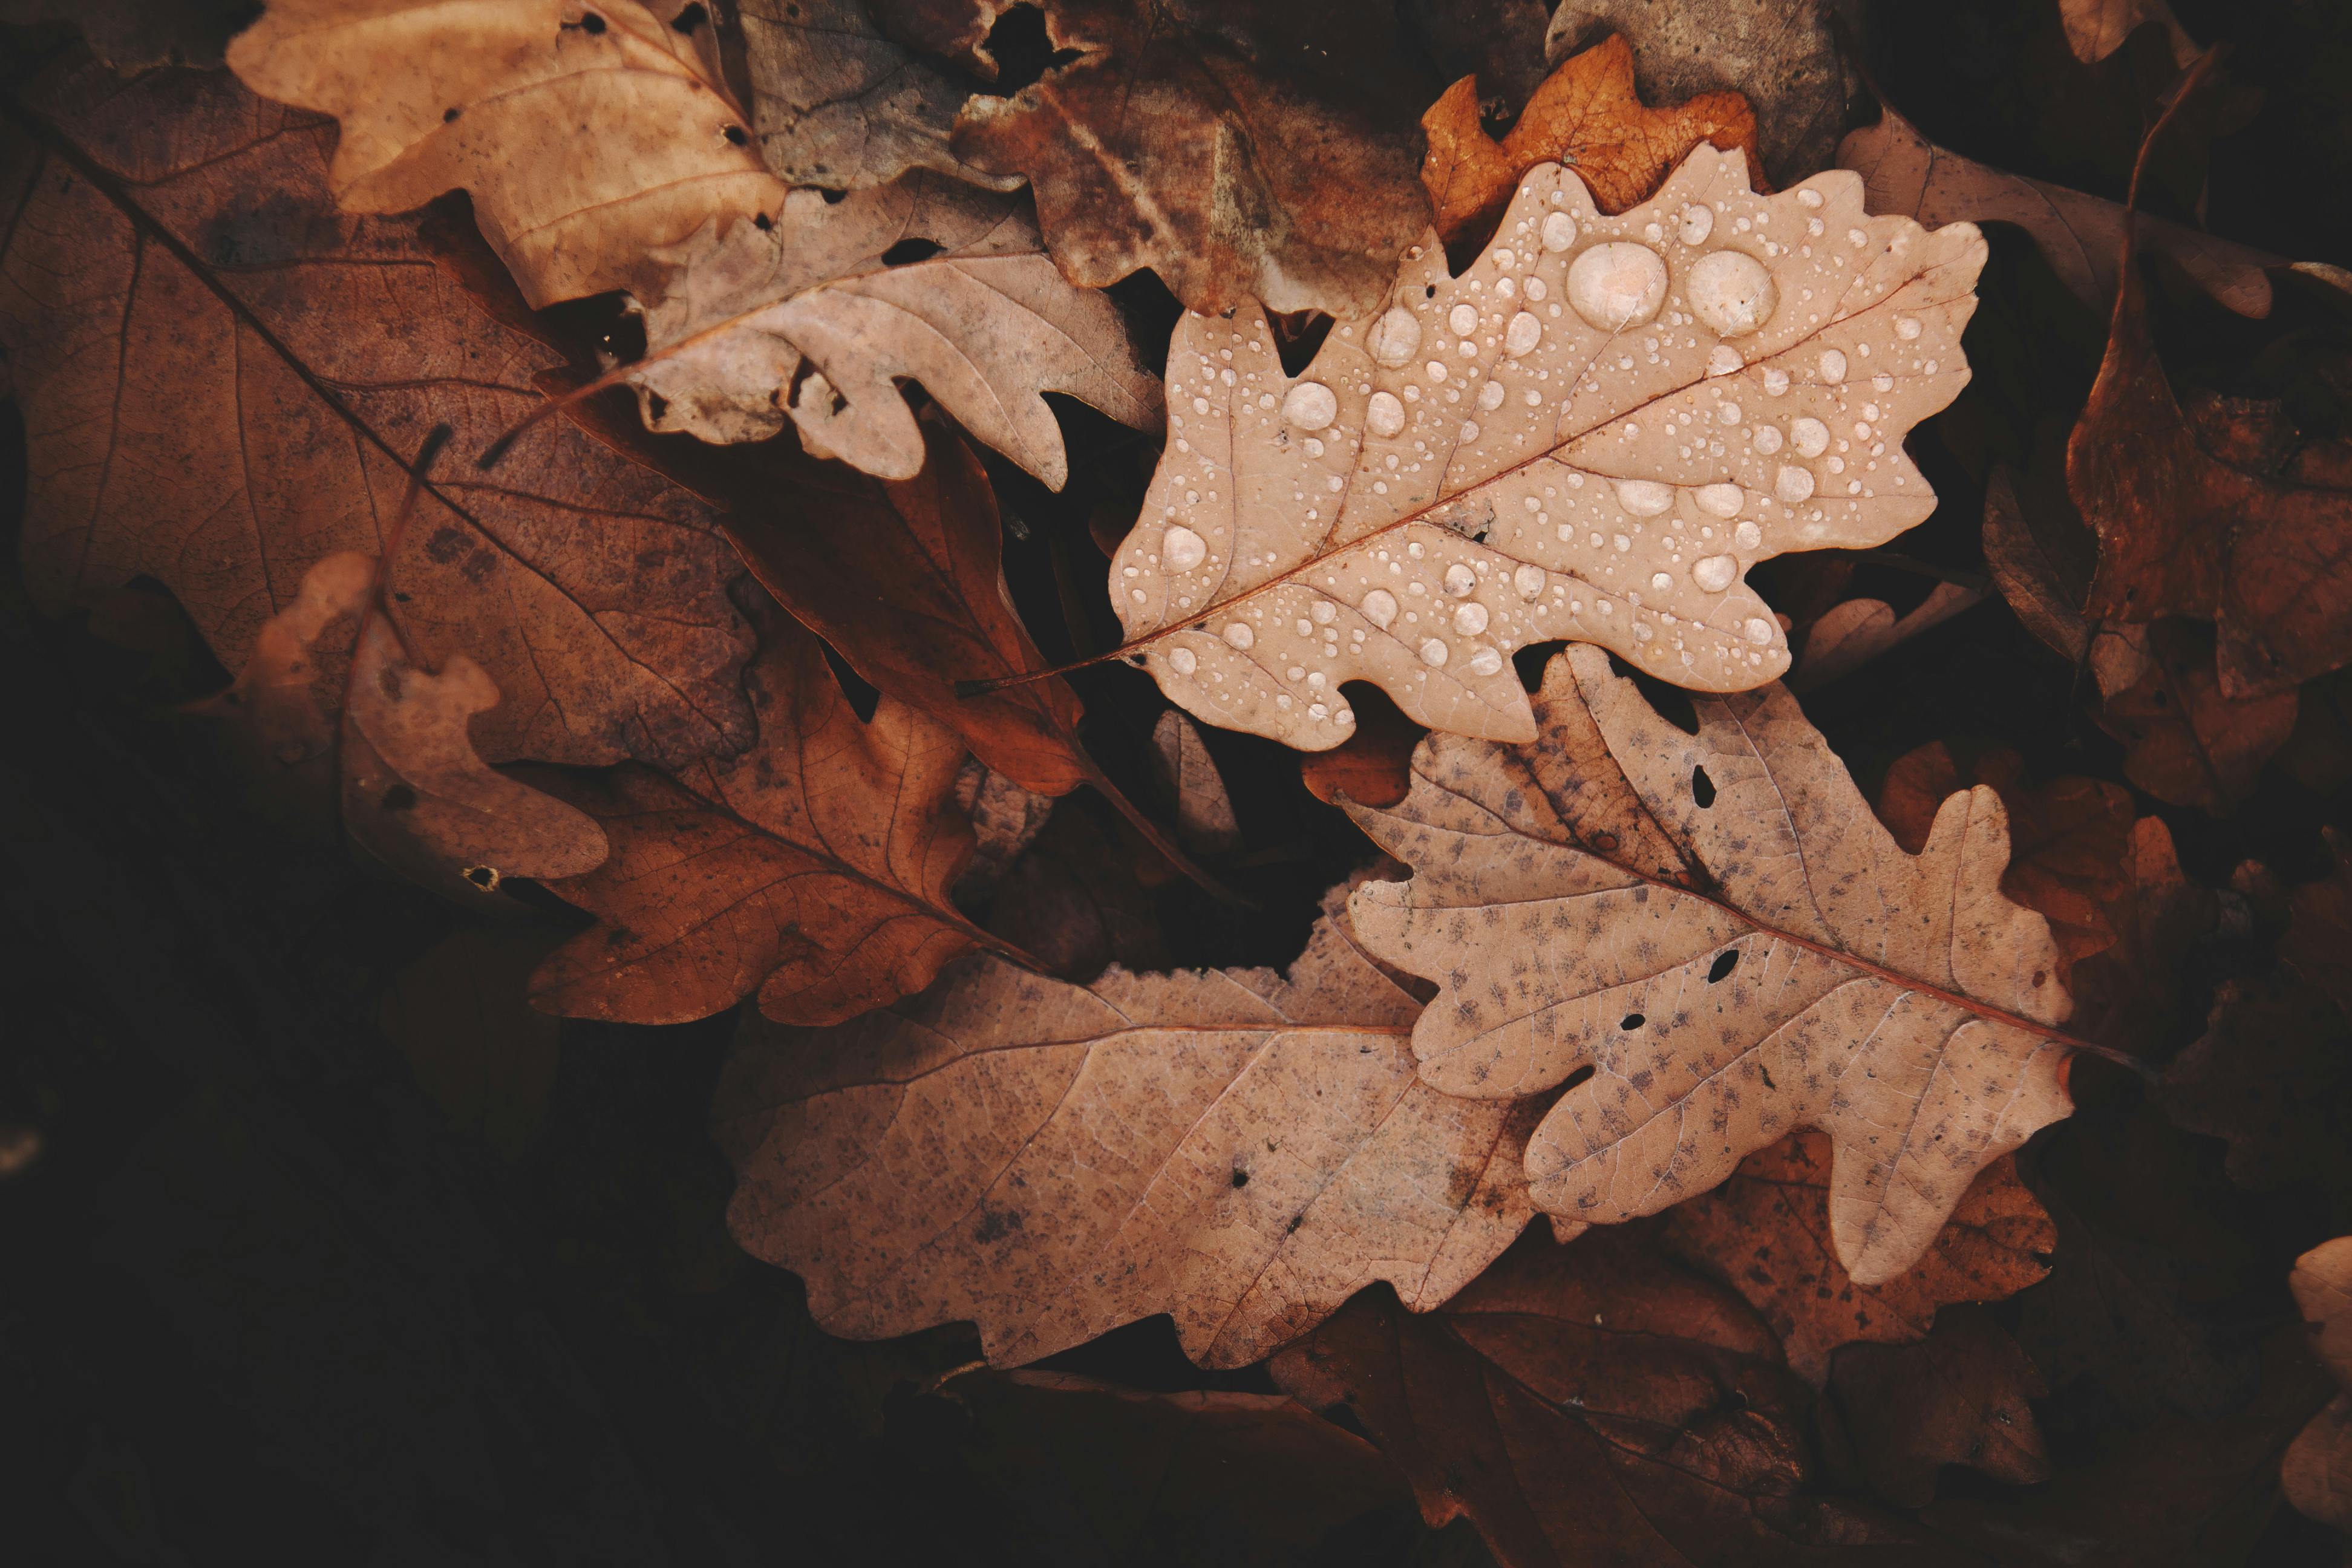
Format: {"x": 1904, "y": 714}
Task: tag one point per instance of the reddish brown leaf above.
{"x": 2128, "y": 995}
{"x": 814, "y": 869}
{"x": 1961, "y": 1396}
{"x": 1371, "y": 767}
{"x": 1586, "y": 115}
{"x": 1766, "y": 1232}
{"x": 225, "y": 381}
{"x": 1585, "y": 1404}
{"x": 2187, "y": 740}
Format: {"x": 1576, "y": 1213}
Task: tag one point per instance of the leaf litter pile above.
{"x": 1432, "y": 783}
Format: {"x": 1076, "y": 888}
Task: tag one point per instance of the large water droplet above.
{"x": 1384, "y": 415}
{"x": 1460, "y": 580}
{"x": 1485, "y": 661}
{"x": 1490, "y": 396}
{"x": 1809, "y": 435}
{"x": 1239, "y": 635}
{"x": 1434, "y": 652}
{"x": 1310, "y": 406}
{"x": 1832, "y": 365}
{"x": 1558, "y": 231}
{"x": 1396, "y": 336}
{"x": 1758, "y": 629}
{"x": 1528, "y": 581}
{"x": 1470, "y": 619}
{"x": 1644, "y": 498}
{"x": 1792, "y": 484}
{"x": 1768, "y": 439}
{"x": 1720, "y": 500}
{"x": 1699, "y": 222}
{"x": 1617, "y": 285}
{"x": 1463, "y": 318}
{"x": 1180, "y": 548}
{"x": 1731, "y": 291}
{"x": 1181, "y": 661}
{"x": 1724, "y": 359}
{"x": 1747, "y": 536}
{"x": 1522, "y": 335}
{"x": 1379, "y": 607}
{"x": 1715, "y": 572}
{"x": 1907, "y": 328}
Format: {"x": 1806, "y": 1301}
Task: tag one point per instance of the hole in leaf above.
{"x": 447, "y": 115}
{"x": 1298, "y": 337}
{"x": 592, "y": 23}
{"x": 656, "y": 406}
{"x": 1631, "y": 1022}
{"x": 832, "y": 198}
{"x": 1578, "y": 1077}
{"x": 908, "y": 251}
{"x": 735, "y": 134}
{"x": 1241, "y": 1177}
{"x": 690, "y": 19}
{"x": 1022, "y": 51}
{"x": 1702, "y": 788}
{"x": 399, "y": 797}
{"x": 763, "y": 223}
{"x": 1724, "y": 962}
{"x": 483, "y": 876}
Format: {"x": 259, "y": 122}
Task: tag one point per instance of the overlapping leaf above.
{"x": 2318, "y": 1465}
{"x": 1592, "y": 434}
{"x": 1764, "y": 958}
{"x": 1241, "y": 1149}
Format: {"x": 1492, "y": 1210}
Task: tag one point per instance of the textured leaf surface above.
{"x": 1239, "y": 1149}
{"x": 813, "y": 869}
{"x": 1962, "y": 1395}
{"x": 225, "y": 381}
{"x": 816, "y": 318}
{"x": 587, "y": 134}
{"x": 1824, "y": 979}
{"x": 2318, "y": 1469}
{"x": 2097, "y": 29}
{"x": 1591, "y": 434}
{"x": 1586, "y": 115}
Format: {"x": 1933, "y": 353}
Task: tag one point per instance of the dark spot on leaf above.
{"x": 690, "y": 19}
{"x": 1241, "y": 1177}
{"x": 483, "y": 876}
{"x": 910, "y": 250}
{"x": 1724, "y": 962}
{"x": 399, "y": 797}
{"x": 1631, "y": 1022}
{"x": 735, "y": 135}
{"x": 1702, "y": 788}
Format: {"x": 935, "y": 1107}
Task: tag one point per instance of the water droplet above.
{"x": 1181, "y": 661}
{"x": 1434, "y": 652}
{"x": 1379, "y": 607}
{"x": 1310, "y": 406}
{"x": 1715, "y": 572}
{"x": 1907, "y": 328}
{"x": 1180, "y": 548}
{"x": 1325, "y": 612}
{"x": 1396, "y": 337}
{"x": 1699, "y": 222}
{"x": 1758, "y": 629}
{"x": 1720, "y": 500}
{"x": 1810, "y": 196}
{"x": 1460, "y": 580}
{"x": 1622, "y": 543}
{"x": 1832, "y": 365}
{"x": 1490, "y": 396}
{"x": 1617, "y": 285}
{"x": 1485, "y": 661}
{"x": 1660, "y": 582}
{"x": 1469, "y": 430}
{"x": 1528, "y": 581}
{"x": 1463, "y": 318}
{"x": 1522, "y": 335}
{"x": 1199, "y": 405}
{"x": 1470, "y": 619}
{"x": 1727, "y": 414}
{"x": 1384, "y": 415}
{"x": 1731, "y": 292}
{"x": 1792, "y": 484}
{"x": 1724, "y": 359}
{"x": 1810, "y": 436}
{"x": 1747, "y": 536}
{"x": 1768, "y": 439}
{"x": 1776, "y": 381}
{"x": 1644, "y": 498}
{"x": 1558, "y": 231}
{"x": 1537, "y": 290}
{"x": 1436, "y": 370}
{"x": 1238, "y": 636}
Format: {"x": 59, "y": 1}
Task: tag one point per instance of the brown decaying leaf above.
{"x": 2097, "y": 29}
{"x": 1195, "y": 789}
{"x": 1241, "y": 1149}
{"x": 813, "y": 868}
{"x": 1264, "y": 153}
{"x": 2069, "y": 840}
{"x": 1005, "y": 820}
{"x": 1766, "y": 1234}
{"x": 1516, "y": 455}
{"x": 1590, "y": 1404}
{"x": 1374, "y": 765}
{"x": 2317, "y": 1469}
{"x": 1105, "y": 1475}
{"x": 1960, "y": 1397}
{"x": 2041, "y": 567}
{"x": 460, "y": 1017}
{"x": 814, "y": 319}
{"x": 1081, "y": 898}
{"x": 588, "y": 135}
{"x": 837, "y": 105}
{"x": 2268, "y": 561}
{"x": 2186, "y": 738}
{"x": 1853, "y": 632}
{"x": 223, "y": 383}
{"x": 2079, "y": 236}
{"x": 1824, "y": 978}
{"x": 2128, "y": 995}
{"x": 1586, "y": 115}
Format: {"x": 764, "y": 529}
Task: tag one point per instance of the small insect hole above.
{"x": 908, "y": 251}
{"x": 763, "y": 223}
{"x": 592, "y": 23}
{"x": 736, "y": 134}
{"x": 447, "y": 115}
{"x": 1631, "y": 1022}
{"x": 690, "y": 19}
{"x": 483, "y": 876}
{"x": 1702, "y": 788}
{"x": 1724, "y": 962}
{"x": 1241, "y": 1177}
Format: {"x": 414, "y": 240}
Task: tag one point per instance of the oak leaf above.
{"x": 588, "y": 132}
{"x": 225, "y": 381}
{"x": 2186, "y": 738}
{"x": 1590, "y": 1404}
{"x": 2081, "y": 236}
{"x": 1190, "y": 784}
{"x": 1766, "y": 1234}
{"x": 1239, "y": 1149}
{"x": 2097, "y": 29}
{"x": 837, "y": 104}
{"x": 1586, "y": 115}
{"x": 1374, "y": 765}
{"x": 1241, "y": 152}
{"x": 1962, "y": 1395}
{"x": 1591, "y": 434}
{"x": 2317, "y": 1469}
{"x": 816, "y": 318}
{"x": 813, "y": 868}
{"x": 2128, "y": 994}
{"x": 1770, "y": 960}
{"x": 1853, "y": 632}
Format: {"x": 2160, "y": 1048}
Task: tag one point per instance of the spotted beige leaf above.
{"x": 924, "y": 279}
{"x": 2317, "y": 1469}
{"x": 1795, "y": 968}
{"x": 587, "y": 131}
{"x": 1240, "y": 1149}
{"x": 1592, "y": 434}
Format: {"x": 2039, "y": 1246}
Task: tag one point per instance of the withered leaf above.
{"x": 2040, "y": 565}
{"x": 1588, "y": 1403}
{"x": 588, "y": 135}
{"x": 1241, "y": 152}
{"x": 1238, "y": 1148}
{"x": 835, "y": 104}
{"x": 1853, "y": 632}
{"x": 461, "y": 1016}
{"x": 2079, "y": 236}
{"x": 2097, "y": 29}
{"x": 1960, "y": 1397}
{"x": 225, "y": 381}
{"x": 2187, "y": 740}
{"x": 813, "y": 868}
{"x": 1591, "y": 434}
{"x": 1374, "y": 765}
{"x": 1823, "y": 978}
{"x": 2128, "y": 994}
{"x": 2317, "y": 1469}
{"x": 1766, "y": 1232}
{"x": 817, "y": 318}
{"x": 1586, "y": 115}
{"x": 2267, "y": 560}
{"x": 1190, "y": 780}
